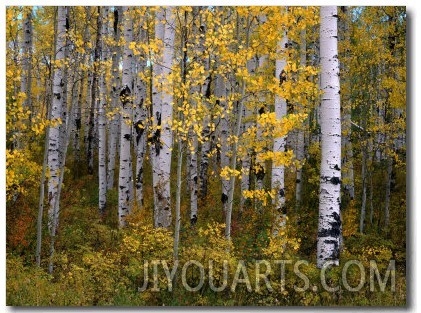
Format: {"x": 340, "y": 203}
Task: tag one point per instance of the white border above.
{"x": 413, "y": 9}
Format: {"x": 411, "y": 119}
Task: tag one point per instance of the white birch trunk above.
{"x": 139, "y": 127}
{"x": 93, "y": 116}
{"x": 162, "y": 111}
{"x": 125, "y": 182}
{"x": 26, "y": 78}
{"x": 193, "y": 183}
{"x": 193, "y": 142}
{"x": 221, "y": 94}
{"x": 102, "y": 134}
{"x": 116, "y": 81}
{"x": 206, "y": 133}
{"x": 54, "y": 155}
{"x": 260, "y": 166}
{"x": 329, "y": 229}
{"x": 278, "y": 170}
{"x": 300, "y": 132}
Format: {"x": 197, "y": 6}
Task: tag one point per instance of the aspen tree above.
{"x": 162, "y": 114}
{"x": 329, "y": 229}
{"x": 26, "y": 77}
{"x": 206, "y": 132}
{"x": 300, "y": 132}
{"x": 92, "y": 122}
{"x": 125, "y": 181}
{"x": 114, "y": 124}
{"x": 140, "y": 118}
{"x": 278, "y": 170}
{"x": 102, "y": 134}
{"x": 54, "y": 145}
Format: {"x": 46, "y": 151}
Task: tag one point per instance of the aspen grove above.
{"x": 201, "y": 145}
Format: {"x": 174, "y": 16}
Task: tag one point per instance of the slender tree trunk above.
{"x": 125, "y": 182}
{"x": 54, "y": 145}
{"x": 329, "y": 230}
{"x": 221, "y": 94}
{"x": 26, "y": 78}
{"x": 140, "y": 117}
{"x": 278, "y": 170}
{"x": 42, "y": 195}
{"x": 364, "y": 189}
{"x": 246, "y": 160}
{"x": 94, "y": 103}
{"x": 115, "y": 121}
{"x": 193, "y": 142}
{"x": 82, "y": 101}
{"x": 300, "y": 132}
{"x": 206, "y": 133}
{"x": 178, "y": 200}
{"x": 389, "y": 163}
{"x": 102, "y": 134}
{"x": 65, "y": 145}
{"x": 162, "y": 111}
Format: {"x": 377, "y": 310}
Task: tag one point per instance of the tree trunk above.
{"x": 125, "y": 182}
{"x": 42, "y": 195}
{"x": 54, "y": 145}
{"x": 364, "y": 188}
{"x": 102, "y": 134}
{"x": 329, "y": 229}
{"x": 300, "y": 132}
{"x": 26, "y": 78}
{"x": 94, "y": 103}
{"x": 116, "y": 81}
{"x": 389, "y": 162}
{"x": 278, "y": 170}
{"x": 140, "y": 117}
{"x": 206, "y": 132}
{"x": 162, "y": 114}
{"x": 221, "y": 94}
{"x": 178, "y": 200}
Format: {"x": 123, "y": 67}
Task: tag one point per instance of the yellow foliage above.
{"x": 21, "y": 172}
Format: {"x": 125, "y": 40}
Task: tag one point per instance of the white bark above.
{"x": 221, "y": 94}
{"x": 162, "y": 114}
{"x": 54, "y": 155}
{"x": 116, "y": 81}
{"x": 26, "y": 60}
{"x": 42, "y": 195}
{"x": 139, "y": 127}
{"x": 206, "y": 133}
{"x": 102, "y": 134}
{"x": 278, "y": 170}
{"x": 260, "y": 166}
{"x": 193, "y": 142}
{"x": 93, "y": 116}
{"x": 125, "y": 182}
{"x": 329, "y": 229}
{"x": 193, "y": 183}
{"x": 300, "y": 132}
